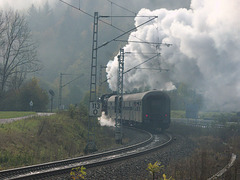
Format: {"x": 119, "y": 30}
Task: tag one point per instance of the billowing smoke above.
{"x": 105, "y": 120}
{"x": 205, "y": 52}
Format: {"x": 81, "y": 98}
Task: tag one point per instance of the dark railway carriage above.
{"x": 150, "y": 109}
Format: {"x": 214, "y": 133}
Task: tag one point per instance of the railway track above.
{"x": 57, "y": 168}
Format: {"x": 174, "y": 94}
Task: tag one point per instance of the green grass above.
{"x": 14, "y": 114}
{"x": 177, "y": 114}
{"x": 42, "y": 139}
{"x": 216, "y": 115}
{"x": 204, "y": 115}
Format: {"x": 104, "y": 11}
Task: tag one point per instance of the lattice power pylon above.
{"x": 93, "y": 105}
{"x": 119, "y": 98}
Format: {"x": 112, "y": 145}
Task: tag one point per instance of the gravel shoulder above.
{"x": 135, "y": 168}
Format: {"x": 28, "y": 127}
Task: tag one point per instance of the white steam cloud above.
{"x": 105, "y": 120}
{"x": 205, "y": 51}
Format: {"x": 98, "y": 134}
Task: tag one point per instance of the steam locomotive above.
{"x": 149, "y": 109}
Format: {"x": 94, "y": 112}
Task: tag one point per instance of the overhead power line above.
{"x": 90, "y": 15}
{"x": 144, "y": 53}
{"x": 135, "y": 67}
{"x": 144, "y": 42}
{"x": 109, "y": 24}
{"x": 141, "y": 63}
{"x": 104, "y": 44}
{"x": 61, "y": 87}
{"x": 124, "y": 16}
{"x": 76, "y": 8}
{"x": 71, "y": 80}
{"x": 157, "y": 69}
{"x": 121, "y": 7}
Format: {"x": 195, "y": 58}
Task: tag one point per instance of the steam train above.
{"x": 149, "y": 109}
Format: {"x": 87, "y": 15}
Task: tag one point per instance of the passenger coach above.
{"x": 150, "y": 109}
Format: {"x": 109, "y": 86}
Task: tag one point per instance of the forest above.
{"x": 62, "y": 36}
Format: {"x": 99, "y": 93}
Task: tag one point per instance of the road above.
{"x": 2, "y": 121}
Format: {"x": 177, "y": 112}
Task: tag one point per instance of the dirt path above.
{"x": 25, "y": 117}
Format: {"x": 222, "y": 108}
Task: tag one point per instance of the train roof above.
{"x": 140, "y": 96}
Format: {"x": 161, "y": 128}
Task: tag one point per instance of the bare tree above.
{"x": 18, "y": 53}
{"x": 2, "y": 28}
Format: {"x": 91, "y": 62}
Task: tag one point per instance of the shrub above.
{"x": 78, "y": 173}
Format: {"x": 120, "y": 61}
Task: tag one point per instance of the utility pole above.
{"x": 51, "y": 92}
{"x": 60, "y": 93}
{"x": 61, "y": 86}
{"x": 119, "y": 99}
{"x": 94, "y": 105}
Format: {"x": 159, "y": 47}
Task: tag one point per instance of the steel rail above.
{"x": 94, "y": 163}
{"x": 225, "y": 169}
{"x": 17, "y": 172}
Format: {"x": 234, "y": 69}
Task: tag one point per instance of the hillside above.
{"x": 43, "y": 139}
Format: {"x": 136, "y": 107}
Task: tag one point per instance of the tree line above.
{"x": 18, "y": 58}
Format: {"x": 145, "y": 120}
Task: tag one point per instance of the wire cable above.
{"x": 121, "y": 7}
{"x": 110, "y": 24}
{"x": 144, "y": 42}
{"x": 126, "y": 32}
{"x": 135, "y": 67}
{"x": 72, "y": 80}
{"x": 141, "y": 63}
{"x": 157, "y": 69}
{"x": 76, "y": 8}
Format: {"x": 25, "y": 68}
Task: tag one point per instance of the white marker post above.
{"x": 31, "y": 105}
{"x": 95, "y": 109}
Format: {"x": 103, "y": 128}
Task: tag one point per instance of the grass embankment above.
{"x": 213, "y": 148}
{"x": 14, "y": 114}
{"x": 218, "y": 116}
{"x": 42, "y": 139}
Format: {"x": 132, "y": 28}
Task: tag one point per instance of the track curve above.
{"x": 60, "y": 167}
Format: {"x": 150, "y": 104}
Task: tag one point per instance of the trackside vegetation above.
{"x": 19, "y": 99}
{"x": 78, "y": 173}
{"x": 63, "y": 135}
{"x": 43, "y": 139}
{"x": 156, "y": 170}
{"x": 213, "y": 149}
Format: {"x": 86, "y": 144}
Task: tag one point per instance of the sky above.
{"x": 24, "y": 4}
{"x": 132, "y": 5}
